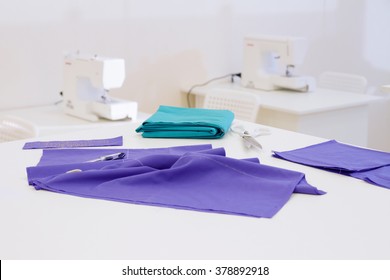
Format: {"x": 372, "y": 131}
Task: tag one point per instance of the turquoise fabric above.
{"x": 178, "y": 122}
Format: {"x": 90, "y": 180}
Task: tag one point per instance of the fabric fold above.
{"x": 369, "y": 165}
{"x": 192, "y": 177}
{"x": 178, "y": 122}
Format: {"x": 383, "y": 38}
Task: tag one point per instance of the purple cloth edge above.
{"x": 116, "y": 141}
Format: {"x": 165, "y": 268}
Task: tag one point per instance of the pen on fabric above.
{"x": 109, "y": 157}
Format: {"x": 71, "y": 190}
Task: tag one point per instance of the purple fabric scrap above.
{"x": 117, "y": 141}
{"x": 188, "y": 177}
{"x": 369, "y": 165}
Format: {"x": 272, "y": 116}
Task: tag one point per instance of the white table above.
{"x": 324, "y": 113}
{"x": 350, "y": 222}
{"x": 51, "y": 119}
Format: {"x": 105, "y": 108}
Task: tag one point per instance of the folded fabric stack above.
{"x": 177, "y": 122}
{"x": 186, "y": 177}
{"x": 368, "y": 165}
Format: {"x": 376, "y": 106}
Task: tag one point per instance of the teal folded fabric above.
{"x": 178, "y": 122}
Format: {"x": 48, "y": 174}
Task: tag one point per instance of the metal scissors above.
{"x": 250, "y": 137}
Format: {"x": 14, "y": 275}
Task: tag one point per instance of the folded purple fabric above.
{"x": 379, "y": 176}
{"x": 368, "y": 165}
{"x": 117, "y": 141}
{"x": 191, "y": 177}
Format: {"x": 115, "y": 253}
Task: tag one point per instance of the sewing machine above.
{"x": 87, "y": 81}
{"x": 269, "y": 63}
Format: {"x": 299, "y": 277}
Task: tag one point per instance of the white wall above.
{"x": 172, "y": 44}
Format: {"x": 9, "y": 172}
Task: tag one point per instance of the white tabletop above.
{"x": 51, "y": 119}
{"x": 294, "y": 102}
{"x": 350, "y": 222}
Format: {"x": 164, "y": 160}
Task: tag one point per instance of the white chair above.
{"x": 343, "y": 82}
{"x": 13, "y": 128}
{"x": 244, "y": 105}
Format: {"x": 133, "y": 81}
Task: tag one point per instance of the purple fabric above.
{"x": 368, "y": 165}
{"x": 50, "y": 157}
{"x": 55, "y": 162}
{"x": 379, "y": 176}
{"x": 117, "y": 141}
{"x": 191, "y": 177}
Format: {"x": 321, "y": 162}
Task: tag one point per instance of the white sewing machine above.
{"x": 269, "y": 63}
{"x": 87, "y": 80}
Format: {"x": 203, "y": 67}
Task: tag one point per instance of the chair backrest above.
{"x": 343, "y": 81}
{"x": 13, "y": 128}
{"x": 244, "y": 105}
